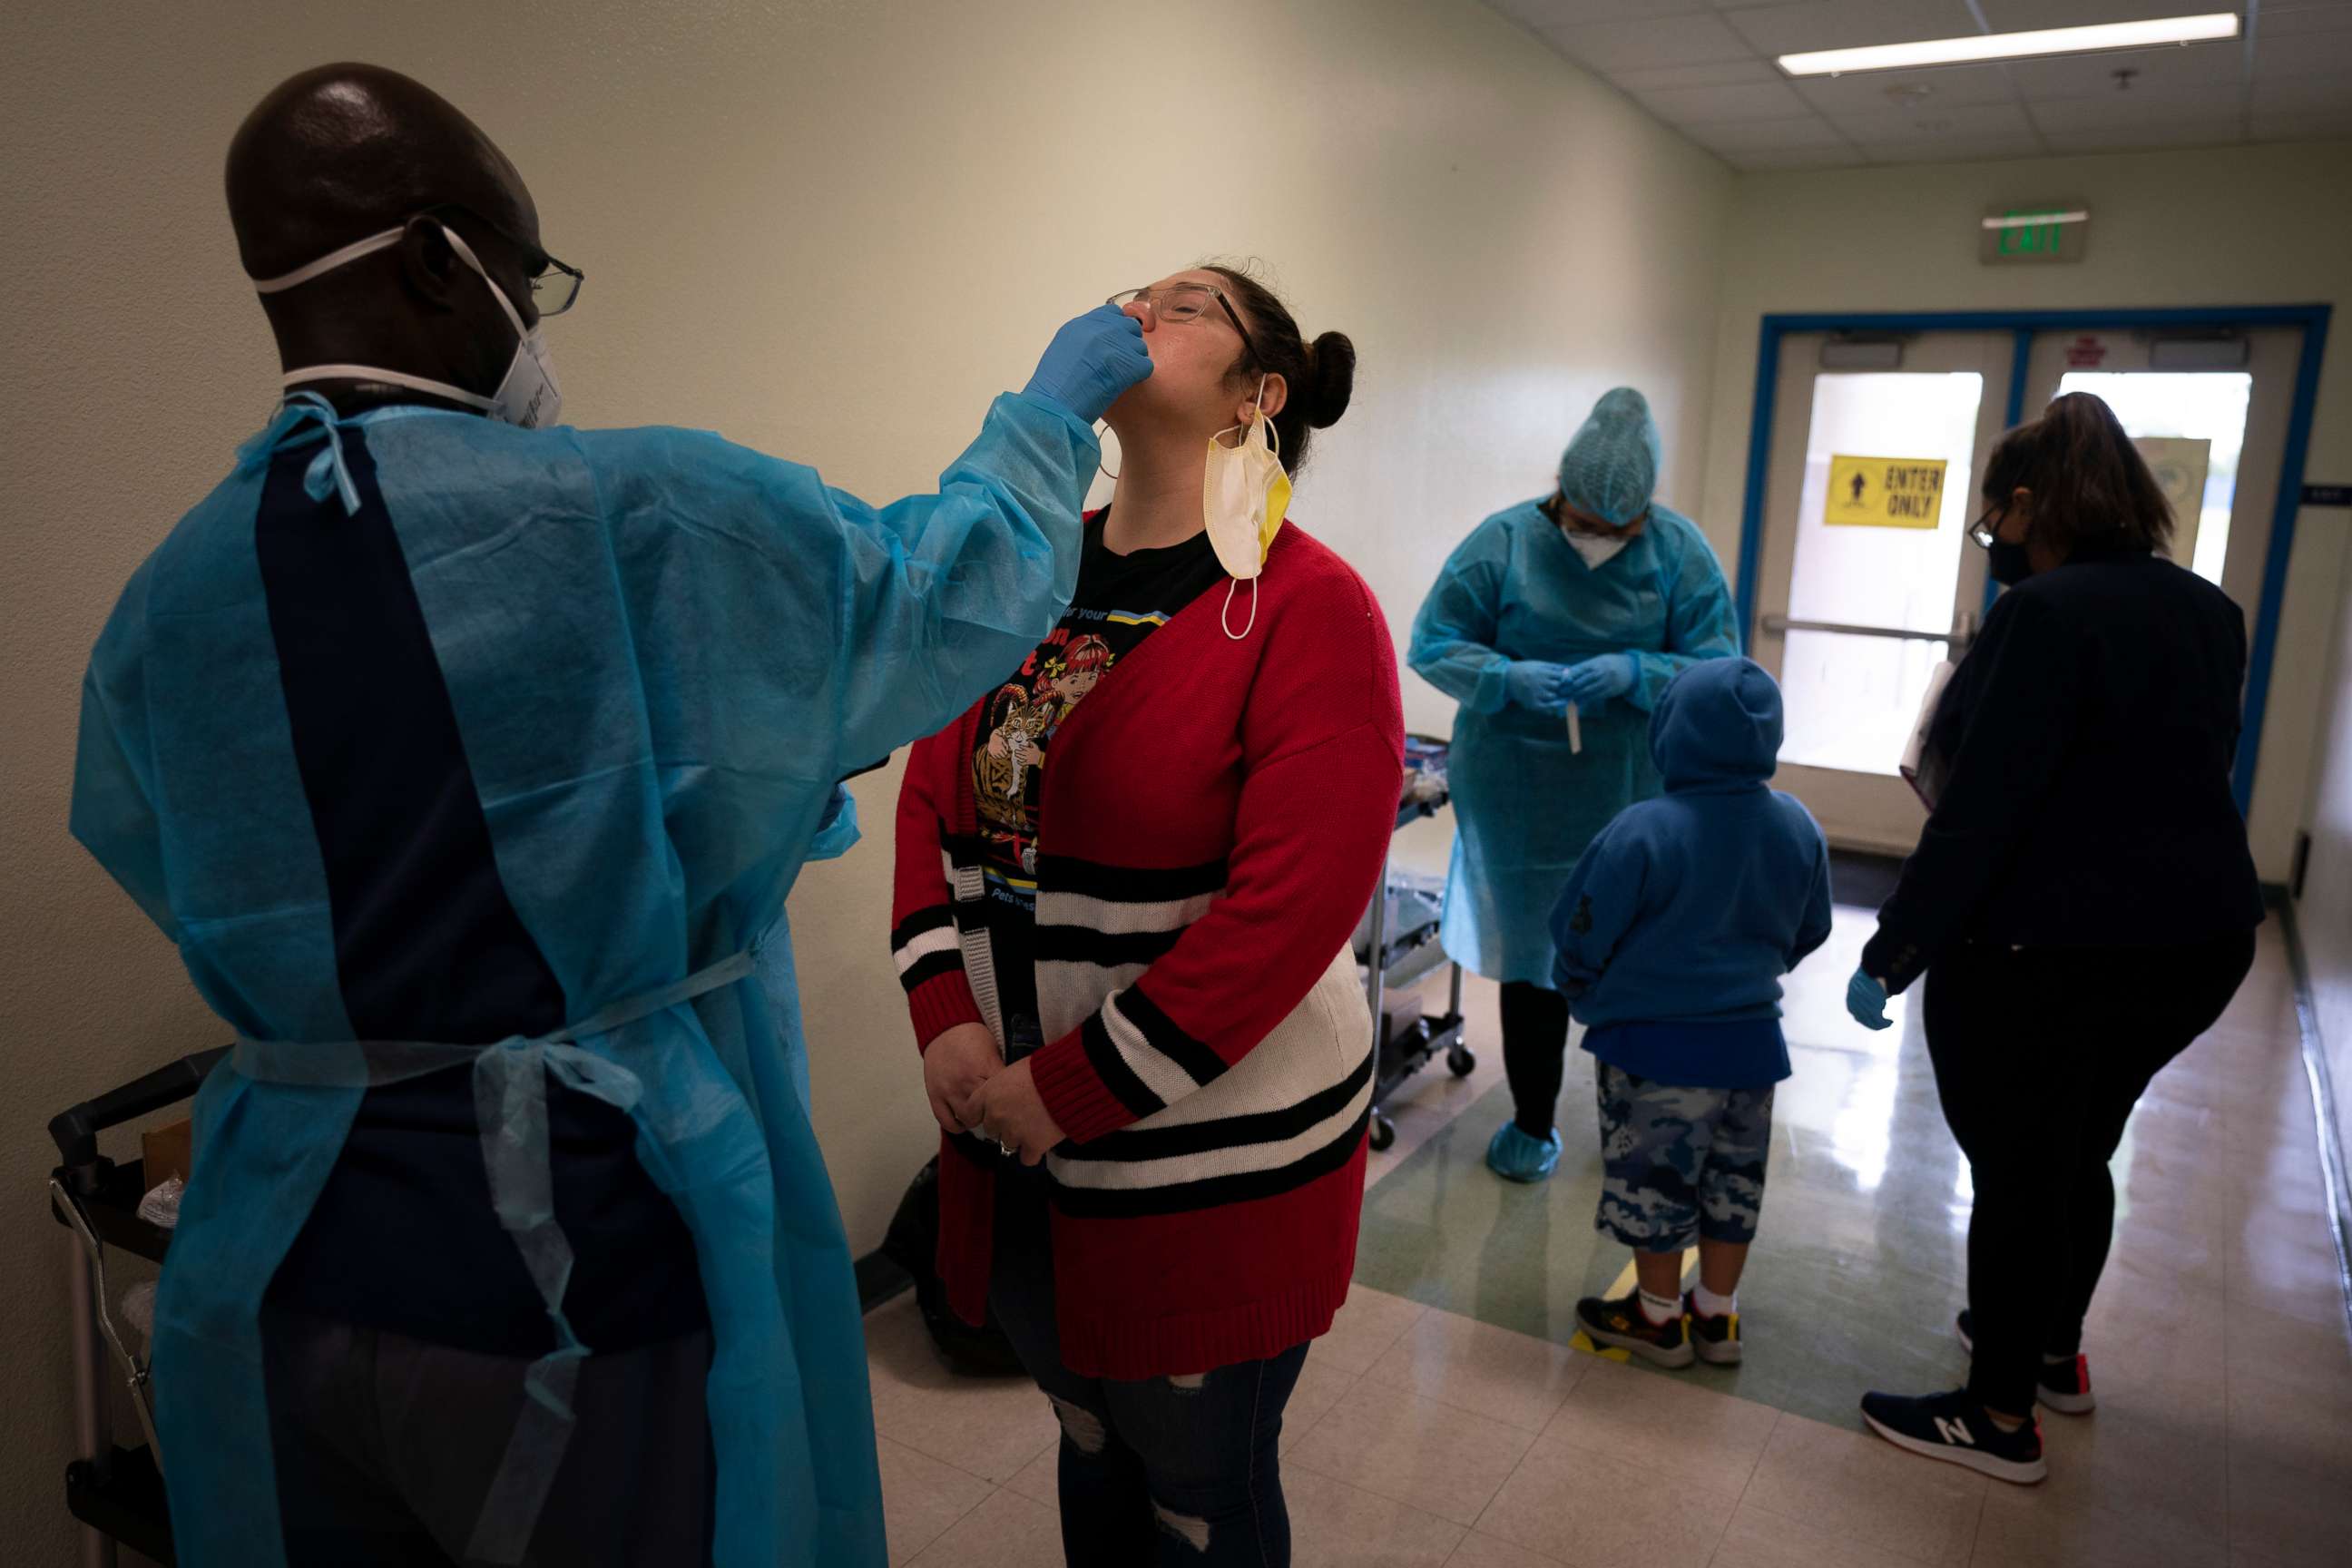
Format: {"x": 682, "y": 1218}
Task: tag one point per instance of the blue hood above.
{"x": 1718, "y": 726}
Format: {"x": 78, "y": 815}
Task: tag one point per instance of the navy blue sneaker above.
{"x": 2061, "y": 1385}
{"x": 1954, "y": 1428}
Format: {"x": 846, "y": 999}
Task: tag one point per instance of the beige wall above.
{"x": 829, "y": 230}
{"x": 2324, "y": 916}
{"x": 2231, "y": 227}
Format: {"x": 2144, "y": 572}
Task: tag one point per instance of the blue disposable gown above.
{"x": 1526, "y": 808}
{"x": 662, "y": 651}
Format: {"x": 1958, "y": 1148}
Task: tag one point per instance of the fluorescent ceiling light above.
{"x": 2015, "y": 46}
{"x": 2037, "y": 220}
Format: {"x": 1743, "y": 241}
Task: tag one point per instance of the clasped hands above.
{"x": 971, "y": 1091}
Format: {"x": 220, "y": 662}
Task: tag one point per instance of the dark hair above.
{"x": 2093, "y": 493}
{"x": 1321, "y": 374}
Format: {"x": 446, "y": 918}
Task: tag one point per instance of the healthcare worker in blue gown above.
{"x": 1593, "y": 598}
{"x": 468, "y": 759}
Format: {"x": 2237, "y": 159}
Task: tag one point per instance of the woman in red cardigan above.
{"x": 1126, "y": 885}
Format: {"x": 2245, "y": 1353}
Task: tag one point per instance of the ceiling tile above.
{"x": 1707, "y": 105}
{"x": 1699, "y": 38}
{"x": 1793, "y": 158}
{"x": 2301, "y": 95}
{"x": 2155, "y": 133}
{"x": 2024, "y": 15}
{"x": 1768, "y": 135}
{"x": 2306, "y": 54}
{"x": 2294, "y": 21}
{"x": 1881, "y": 126}
{"x": 1952, "y": 87}
{"x": 2302, "y": 127}
{"x": 1962, "y": 150}
{"x": 2166, "y": 69}
{"x": 1545, "y": 15}
{"x": 1722, "y": 73}
{"x": 2068, "y": 115}
{"x": 1843, "y": 23}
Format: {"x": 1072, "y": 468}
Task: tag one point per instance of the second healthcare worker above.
{"x": 1593, "y": 599}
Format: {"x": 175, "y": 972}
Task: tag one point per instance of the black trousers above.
{"x": 1535, "y": 1053}
{"x": 386, "y": 1447}
{"x": 2040, "y": 1057}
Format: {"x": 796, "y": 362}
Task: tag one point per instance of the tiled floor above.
{"x": 1445, "y": 1423}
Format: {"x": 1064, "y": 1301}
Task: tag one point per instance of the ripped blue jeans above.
{"x": 1165, "y": 1473}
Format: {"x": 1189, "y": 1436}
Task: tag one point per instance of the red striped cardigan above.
{"x": 1213, "y": 821}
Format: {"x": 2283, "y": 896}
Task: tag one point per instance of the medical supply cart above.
{"x": 116, "y": 1493}
{"x": 1397, "y": 947}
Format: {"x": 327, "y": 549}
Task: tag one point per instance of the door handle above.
{"x": 1780, "y": 626}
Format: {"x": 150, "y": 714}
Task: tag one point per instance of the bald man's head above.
{"x": 342, "y": 151}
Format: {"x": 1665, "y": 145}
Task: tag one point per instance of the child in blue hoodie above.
{"x": 1674, "y": 932}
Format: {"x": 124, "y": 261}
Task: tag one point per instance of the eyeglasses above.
{"x": 1184, "y": 305}
{"x": 1984, "y": 531}
{"x": 554, "y": 285}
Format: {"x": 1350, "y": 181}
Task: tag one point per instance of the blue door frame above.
{"x": 2021, "y": 325}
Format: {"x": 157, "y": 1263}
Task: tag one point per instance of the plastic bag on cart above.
{"x": 139, "y": 1308}
{"x": 160, "y": 1207}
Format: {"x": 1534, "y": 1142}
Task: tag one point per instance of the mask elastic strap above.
{"x": 1225, "y": 618}
{"x": 310, "y": 372}
{"x": 329, "y": 262}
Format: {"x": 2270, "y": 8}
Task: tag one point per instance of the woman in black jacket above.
{"x": 2081, "y": 901}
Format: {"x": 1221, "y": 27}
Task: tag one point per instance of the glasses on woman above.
{"x": 1985, "y": 531}
{"x": 1184, "y": 305}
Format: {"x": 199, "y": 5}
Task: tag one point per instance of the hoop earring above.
{"x": 1105, "y": 473}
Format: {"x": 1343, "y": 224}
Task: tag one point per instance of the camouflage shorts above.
{"x": 1679, "y": 1163}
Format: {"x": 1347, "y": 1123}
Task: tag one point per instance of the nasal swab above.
{"x": 1575, "y": 731}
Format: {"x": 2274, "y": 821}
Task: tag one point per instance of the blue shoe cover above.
{"x": 1515, "y": 1157}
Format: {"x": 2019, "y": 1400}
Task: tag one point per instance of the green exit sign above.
{"x": 2034, "y": 234}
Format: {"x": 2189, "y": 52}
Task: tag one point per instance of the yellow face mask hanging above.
{"x": 1245, "y": 496}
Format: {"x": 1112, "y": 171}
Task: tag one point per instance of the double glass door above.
{"x": 1866, "y": 580}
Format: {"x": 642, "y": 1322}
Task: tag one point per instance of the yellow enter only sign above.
{"x": 1885, "y": 493}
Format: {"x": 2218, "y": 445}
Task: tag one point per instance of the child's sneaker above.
{"x": 1955, "y": 1429}
{"x": 1621, "y": 1323}
{"x": 2061, "y": 1385}
{"x": 1516, "y": 1156}
{"x": 1716, "y": 1339}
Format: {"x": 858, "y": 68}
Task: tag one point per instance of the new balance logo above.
{"x": 1955, "y": 1432}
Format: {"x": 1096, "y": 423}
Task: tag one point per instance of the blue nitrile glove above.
{"x": 1536, "y": 685}
{"x": 1596, "y": 680}
{"x": 1093, "y": 358}
{"x": 1866, "y": 999}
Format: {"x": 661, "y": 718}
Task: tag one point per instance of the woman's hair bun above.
{"x": 1331, "y": 370}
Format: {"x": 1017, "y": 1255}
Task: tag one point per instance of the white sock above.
{"x": 1659, "y": 1309}
{"x": 1711, "y": 1305}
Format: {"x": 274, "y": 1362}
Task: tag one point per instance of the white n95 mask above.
{"x": 527, "y": 395}
{"x": 1244, "y": 495}
{"x": 1596, "y": 548}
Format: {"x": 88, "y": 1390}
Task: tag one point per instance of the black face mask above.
{"x": 2008, "y": 563}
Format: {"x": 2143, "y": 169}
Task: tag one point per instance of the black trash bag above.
{"x": 912, "y": 1243}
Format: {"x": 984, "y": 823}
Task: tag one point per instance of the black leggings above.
{"x": 2040, "y": 1057}
{"x": 1535, "y": 1052}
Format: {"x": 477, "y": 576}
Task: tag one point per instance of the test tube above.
{"x": 1575, "y": 731}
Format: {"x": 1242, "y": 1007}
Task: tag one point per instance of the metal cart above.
{"x": 1396, "y": 945}
{"x": 116, "y": 1493}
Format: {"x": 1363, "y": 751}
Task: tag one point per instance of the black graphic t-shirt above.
{"x": 1120, "y": 601}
